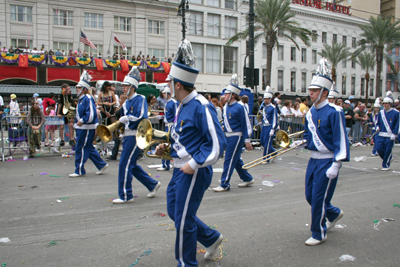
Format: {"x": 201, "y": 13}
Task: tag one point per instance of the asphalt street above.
{"x": 62, "y": 221}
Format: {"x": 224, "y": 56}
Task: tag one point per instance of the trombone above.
{"x": 283, "y": 139}
{"x": 105, "y": 132}
{"x": 146, "y": 136}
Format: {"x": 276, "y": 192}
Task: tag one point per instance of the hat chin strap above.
{"x": 319, "y": 97}
{"x": 172, "y": 88}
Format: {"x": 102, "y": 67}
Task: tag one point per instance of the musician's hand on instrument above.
{"x": 187, "y": 169}
{"x": 271, "y": 133}
{"x": 160, "y": 117}
{"x": 79, "y": 123}
{"x": 392, "y": 137}
{"x": 160, "y": 149}
{"x": 333, "y": 170}
{"x": 249, "y": 146}
{"x": 124, "y": 119}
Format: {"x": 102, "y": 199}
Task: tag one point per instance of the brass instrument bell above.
{"x": 105, "y": 132}
{"x": 146, "y": 137}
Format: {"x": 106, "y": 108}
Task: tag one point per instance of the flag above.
{"x": 86, "y": 41}
{"x": 166, "y": 67}
{"x": 118, "y": 41}
{"x": 23, "y": 61}
{"x": 99, "y": 64}
{"x": 124, "y": 65}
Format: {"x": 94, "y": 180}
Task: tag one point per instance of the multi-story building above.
{"x": 153, "y": 28}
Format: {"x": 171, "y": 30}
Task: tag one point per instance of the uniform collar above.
{"x": 189, "y": 97}
{"x": 233, "y": 102}
{"x": 132, "y": 96}
{"x": 321, "y": 105}
{"x": 81, "y": 96}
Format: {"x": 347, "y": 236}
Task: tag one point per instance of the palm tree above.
{"x": 367, "y": 62}
{"x": 380, "y": 31}
{"x": 271, "y": 16}
{"x": 335, "y": 54}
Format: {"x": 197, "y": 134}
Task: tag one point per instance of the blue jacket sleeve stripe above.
{"x": 275, "y": 115}
{"x": 342, "y": 154}
{"x": 91, "y": 112}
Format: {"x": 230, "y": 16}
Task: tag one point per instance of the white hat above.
{"x": 84, "y": 80}
{"x": 347, "y": 102}
{"x": 166, "y": 90}
{"x": 132, "y": 78}
{"x": 388, "y": 98}
{"x": 233, "y": 86}
{"x": 181, "y": 69}
{"x": 268, "y": 93}
{"x": 322, "y": 78}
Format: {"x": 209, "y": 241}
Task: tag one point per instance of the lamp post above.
{"x": 183, "y": 6}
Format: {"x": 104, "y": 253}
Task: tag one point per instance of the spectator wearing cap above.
{"x": 352, "y": 100}
{"x": 14, "y": 108}
{"x": 349, "y": 116}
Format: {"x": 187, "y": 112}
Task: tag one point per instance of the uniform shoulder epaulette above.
{"x": 336, "y": 107}
{"x": 202, "y": 99}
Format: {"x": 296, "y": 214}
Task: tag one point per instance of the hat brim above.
{"x": 314, "y": 87}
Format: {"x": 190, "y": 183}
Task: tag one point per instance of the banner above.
{"x": 124, "y": 65}
{"x": 54, "y": 121}
{"x": 59, "y": 61}
{"x": 112, "y": 63}
{"x": 99, "y": 64}
{"x": 15, "y": 72}
{"x": 159, "y": 77}
{"x": 23, "y": 61}
{"x": 153, "y": 65}
{"x": 82, "y": 61}
{"x": 35, "y": 59}
{"x": 135, "y": 63}
{"x": 55, "y": 74}
{"x": 166, "y": 66}
{"x": 9, "y": 58}
{"x": 107, "y": 75}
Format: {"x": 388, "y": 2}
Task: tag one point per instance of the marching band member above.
{"x": 238, "y": 130}
{"x": 333, "y": 94}
{"x": 169, "y": 115}
{"x": 134, "y": 110}
{"x": 196, "y": 143}
{"x": 269, "y": 124}
{"x": 388, "y": 125}
{"x": 85, "y": 124}
{"x": 326, "y": 138}
{"x": 374, "y": 124}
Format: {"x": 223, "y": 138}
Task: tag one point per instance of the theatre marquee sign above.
{"x": 328, "y": 6}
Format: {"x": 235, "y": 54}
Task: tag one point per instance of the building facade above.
{"x": 153, "y": 28}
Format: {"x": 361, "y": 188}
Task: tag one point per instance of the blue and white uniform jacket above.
{"x": 374, "y": 119}
{"x": 270, "y": 116}
{"x": 170, "y": 112}
{"x": 326, "y": 132}
{"x": 236, "y": 121}
{"x": 196, "y": 135}
{"x": 135, "y": 108}
{"x": 86, "y": 113}
{"x": 388, "y": 122}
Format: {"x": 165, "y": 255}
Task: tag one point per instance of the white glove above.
{"x": 160, "y": 117}
{"x": 124, "y": 119}
{"x": 299, "y": 142}
{"x": 260, "y": 123}
{"x": 271, "y": 133}
{"x": 333, "y": 171}
{"x": 392, "y": 137}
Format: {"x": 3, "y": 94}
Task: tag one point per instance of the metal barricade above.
{"x": 360, "y": 131}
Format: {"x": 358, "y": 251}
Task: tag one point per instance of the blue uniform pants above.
{"x": 384, "y": 147}
{"x": 85, "y": 150}
{"x": 375, "y": 138}
{"x": 319, "y": 192}
{"x": 129, "y": 168}
{"x": 184, "y": 195}
{"x": 266, "y": 140}
{"x": 233, "y": 160}
{"x": 166, "y": 163}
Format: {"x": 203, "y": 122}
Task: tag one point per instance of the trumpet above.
{"x": 105, "y": 132}
{"x": 146, "y": 137}
{"x": 259, "y": 116}
{"x": 283, "y": 139}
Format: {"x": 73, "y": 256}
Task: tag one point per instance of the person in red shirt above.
{"x": 49, "y": 101}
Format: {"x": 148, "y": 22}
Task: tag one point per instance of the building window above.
{"x": 21, "y": 13}
{"x": 371, "y": 87}
{"x": 280, "y": 32}
{"x": 156, "y": 27}
{"x": 213, "y": 59}
{"x": 353, "y": 85}
{"x": 344, "y": 40}
{"x": 62, "y": 17}
{"x": 63, "y": 46}
{"x": 293, "y": 53}
{"x": 303, "y": 82}
{"x": 158, "y": 53}
{"x": 230, "y": 4}
{"x": 198, "y": 51}
{"x": 230, "y": 59}
{"x": 353, "y": 64}
{"x": 315, "y": 34}
{"x": 362, "y": 90}
{"x": 21, "y": 43}
{"x": 230, "y": 26}
{"x": 343, "y": 85}
{"x": 264, "y": 50}
{"x": 95, "y": 52}
{"x": 126, "y": 53}
{"x": 122, "y": 24}
{"x": 213, "y": 3}
{"x": 314, "y": 57}
{"x": 94, "y": 21}
{"x": 334, "y": 38}
{"x": 280, "y": 52}
{"x": 280, "y": 80}
{"x": 199, "y": 2}
{"x": 354, "y": 42}
{"x": 213, "y": 25}
{"x": 324, "y": 37}
{"x": 344, "y": 63}
{"x": 196, "y": 23}
{"x": 303, "y": 55}
{"x": 292, "y": 81}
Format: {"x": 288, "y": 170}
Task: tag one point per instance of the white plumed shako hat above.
{"x": 322, "y": 78}
{"x": 388, "y": 98}
{"x": 84, "y": 80}
{"x": 233, "y": 86}
{"x": 333, "y": 93}
{"x": 268, "y": 93}
{"x": 132, "y": 78}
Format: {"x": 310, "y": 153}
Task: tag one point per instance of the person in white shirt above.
{"x": 287, "y": 111}
{"x": 296, "y": 111}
